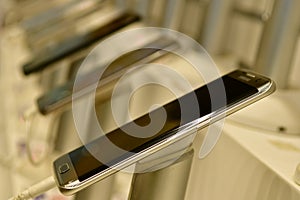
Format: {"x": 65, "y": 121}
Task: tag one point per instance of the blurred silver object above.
{"x": 166, "y": 183}
{"x": 279, "y": 41}
{"x": 215, "y": 25}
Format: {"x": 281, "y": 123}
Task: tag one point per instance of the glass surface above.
{"x": 87, "y": 165}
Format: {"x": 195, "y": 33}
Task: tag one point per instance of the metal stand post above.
{"x": 215, "y": 26}
{"x": 167, "y": 183}
{"x": 279, "y": 41}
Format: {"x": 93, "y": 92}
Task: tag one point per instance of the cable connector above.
{"x": 36, "y": 190}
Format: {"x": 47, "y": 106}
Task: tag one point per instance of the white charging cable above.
{"x": 29, "y": 117}
{"x": 36, "y": 190}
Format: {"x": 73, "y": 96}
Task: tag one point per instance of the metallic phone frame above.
{"x": 181, "y": 132}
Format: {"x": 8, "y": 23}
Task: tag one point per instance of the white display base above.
{"x": 278, "y": 113}
{"x": 247, "y": 164}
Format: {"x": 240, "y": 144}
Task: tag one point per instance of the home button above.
{"x": 64, "y": 168}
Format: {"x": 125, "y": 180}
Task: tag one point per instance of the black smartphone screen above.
{"x": 86, "y": 165}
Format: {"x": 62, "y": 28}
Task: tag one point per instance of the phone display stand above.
{"x": 158, "y": 174}
{"x": 164, "y": 157}
{"x": 160, "y": 184}
{"x": 282, "y": 115}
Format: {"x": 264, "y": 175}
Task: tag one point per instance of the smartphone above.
{"x": 53, "y": 16}
{"x": 62, "y": 96}
{"x": 77, "y": 43}
{"x": 81, "y": 21}
{"x": 80, "y": 168}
